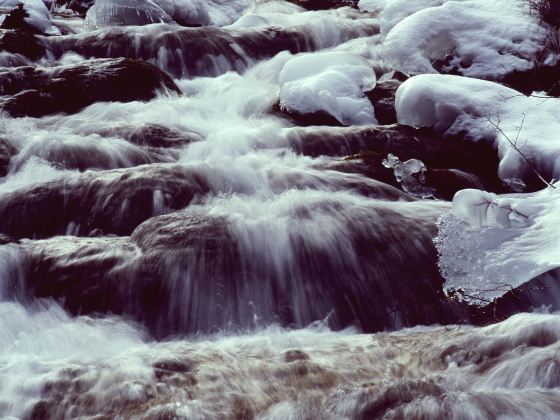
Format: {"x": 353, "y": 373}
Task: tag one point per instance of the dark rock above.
{"x": 540, "y": 78}
{"x": 6, "y": 239}
{"x": 394, "y": 75}
{"x": 192, "y": 52}
{"x": 153, "y": 135}
{"x": 113, "y": 201}
{"x": 7, "y": 150}
{"x": 16, "y": 20}
{"x": 89, "y": 154}
{"x": 80, "y": 7}
{"x": 370, "y": 145}
{"x": 22, "y": 42}
{"x": 293, "y": 355}
{"x": 317, "y": 118}
{"x": 187, "y": 272}
{"x": 38, "y": 92}
{"x": 383, "y": 99}
{"x": 541, "y": 292}
{"x": 446, "y": 182}
{"x": 325, "y": 4}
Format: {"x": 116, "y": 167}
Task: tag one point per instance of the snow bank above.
{"x": 332, "y": 82}
{"x": 490, "y": 243}
{"x": 39, "y": 16}
{"x": 477, "y": 38}
{"x": 453, "y": 104}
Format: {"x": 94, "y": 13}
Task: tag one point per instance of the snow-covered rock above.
{"x": 125, "y": 12}
{"x": 486, "y": 110}
{"x": 39, "y": 15}
{"x": 490, "y": 244}
{"x": 333, "y": 82}
{"x": 477, "y": 38}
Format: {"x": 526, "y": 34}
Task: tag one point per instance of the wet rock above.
{"x": 317, "y": 118}
{"x": 541, "y": 78}
{"x": 190, "y": 52}
{"x": 153, "y": 135}
{"x": 188, "y": 272}
{"x": 293, "y": 355}
{"x": 16, "y": 20}
{"x": 6, "y": 239}
{"x": 37, "y": 92}
{"x": 446, "y": 182}
{"x": 79, "y": 7}
{"x": 7, "y": 150}
{"x": 325, "y": 4}
{"x": 113, "y": 201}
{"x": 466, "y": 162}
{"x": 22, "y": 42}
{"x": 541, "y": 292}
{"x": 383, "y": 99}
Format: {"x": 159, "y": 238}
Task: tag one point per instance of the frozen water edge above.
{"x": 489, "y": 244}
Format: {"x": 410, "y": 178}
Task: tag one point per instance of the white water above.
{"x": 279, "y": 205}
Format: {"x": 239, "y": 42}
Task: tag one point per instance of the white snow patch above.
{"x": 477, "y": 38}
{"x": 453, "y": 104}
{"x": 333, "y": 82}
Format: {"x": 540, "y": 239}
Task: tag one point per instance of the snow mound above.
{"x": 486, "y": 110}
{"x": 476, "y": 38}
{"x": 39, "y": 15}
{"x": 125, "y": 12}
{"x": 333, "y": 82}
{"x": 490, "y": 244}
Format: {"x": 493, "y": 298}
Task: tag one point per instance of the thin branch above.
{"x": 514, "y": 146}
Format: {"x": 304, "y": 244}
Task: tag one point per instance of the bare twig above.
{"x": 513, "y": 144}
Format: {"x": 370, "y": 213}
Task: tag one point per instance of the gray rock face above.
{"x": 37, "y": 92}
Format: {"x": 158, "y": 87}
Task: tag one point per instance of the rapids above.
{"x": 197, "y": 253}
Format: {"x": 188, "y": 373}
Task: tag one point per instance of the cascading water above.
{"x": 201, "y": 255}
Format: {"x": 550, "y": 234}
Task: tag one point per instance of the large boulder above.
{"x": 98, "y": 202}
{"x": 21, "y": 42}
{"x": 195, "y": 271}
{"x": 37, "y": 92}
{"x": 325, "y": 4}
{"x": 192, "y": 51}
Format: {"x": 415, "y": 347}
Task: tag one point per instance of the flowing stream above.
{"x": 201, "y": 255}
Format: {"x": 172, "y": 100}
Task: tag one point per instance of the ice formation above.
{"x": 489, "y": 243}
{"x": 39, "y": 16}
{"x": 411, "y": 175}
{"x": 333, "y": 82}
{"x": 487, "y": 110}
{"x": 427, "y": 36}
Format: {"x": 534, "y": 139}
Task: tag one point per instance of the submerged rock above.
{"x": 191, "y": 271}
{"x": 7, "y": 150}
{"x": 22, "y": 42}
{"x": 113, "y": 201}
{"x": 325, "y": 4}
{"x": 37, "y": 92}
{"x": 451, "y": 163}
{"x": 190, "y": 52}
